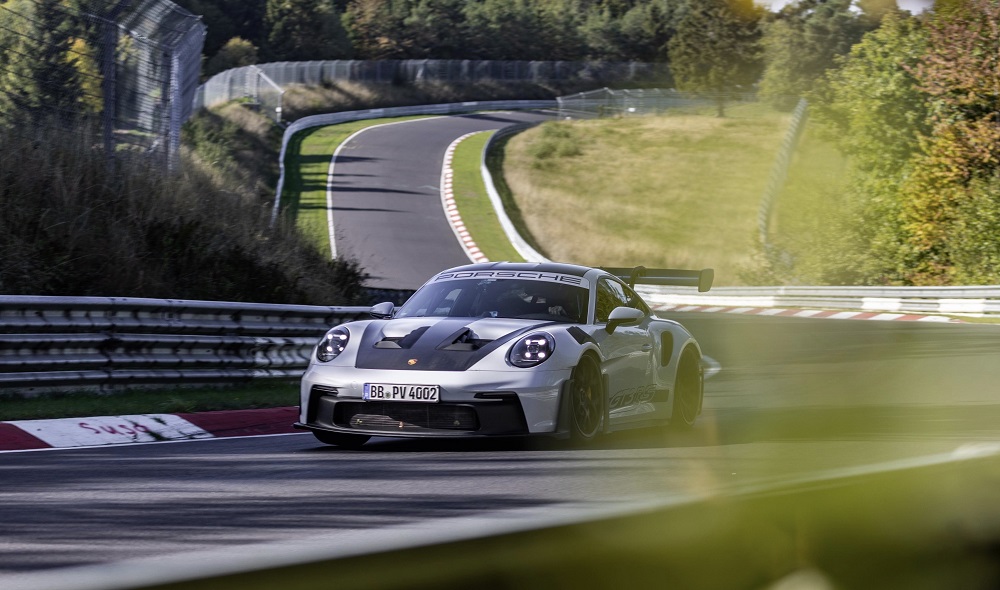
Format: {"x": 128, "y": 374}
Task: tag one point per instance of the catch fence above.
{"x": 137, "y": 68}
{"x": 608, "y": 102}
{"x": 264, "y": 84}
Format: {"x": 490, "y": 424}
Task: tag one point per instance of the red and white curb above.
{"x": 451, "y": 208}
{"x": 19, "y": 435}
{"x": 809, "y": 313}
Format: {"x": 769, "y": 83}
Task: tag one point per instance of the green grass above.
{"x": 474, "y": 204}
{"x": 162, "y": 400}
{"x": 681, "y": 190}
{"x": 307, "y": 163}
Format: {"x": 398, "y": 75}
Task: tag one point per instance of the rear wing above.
{"x": 665, "y": 276}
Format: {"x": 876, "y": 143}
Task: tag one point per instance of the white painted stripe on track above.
{"x": 110, "y": 430}
{"x": 159, "y": 442}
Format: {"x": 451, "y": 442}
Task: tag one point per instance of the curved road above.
{"x": 795, "y": 396}
{"x": 387, "y": 196}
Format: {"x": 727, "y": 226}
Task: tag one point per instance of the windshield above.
{"x": 499, "y": 298}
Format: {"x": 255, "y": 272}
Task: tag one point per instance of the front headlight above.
{"x": 532, "y": 350}
{"x": 332, "y": 344}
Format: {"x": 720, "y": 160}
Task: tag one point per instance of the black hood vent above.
{"x": 405, "y": 342}
{"x": 465, "y": 340}
{"x": 447, "y": 345}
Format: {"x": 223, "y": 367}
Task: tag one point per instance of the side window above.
{"x": 635, "y": 301}
{"x": 610, "y": 294}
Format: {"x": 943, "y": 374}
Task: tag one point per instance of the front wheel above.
{"x": 587, "y": 400}
{"x": 687, "y": 391}
{"x": 348, "y": 441}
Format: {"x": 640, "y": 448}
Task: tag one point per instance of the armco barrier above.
{"x": 969, "y": 301}
{"x": 84, "y": 342}
{"x": 87, "y": 342}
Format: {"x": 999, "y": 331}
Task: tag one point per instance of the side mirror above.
{"x": 623, "y": 316}
{"x": 382, "y": 311}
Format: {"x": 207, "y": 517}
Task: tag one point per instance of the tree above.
{"x": 304, "y": 30}
{"x": 40, "y": 57}
{"x": 506, "y": 30}
{"x": 227, "y": 19}
{"x": 955, "y": 188}
{"x": 876, "y": 114}
{"x": 801, "y": 43}
{"x": 376, "y": 28}
{"x": 715, "y": 49}
{"x": 235, "y": 53}
{"x": 873, "y": 11}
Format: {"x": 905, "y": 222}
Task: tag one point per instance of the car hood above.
{"x": 436, "y": 344}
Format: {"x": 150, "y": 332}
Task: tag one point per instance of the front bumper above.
{"x": 472, "y": 403}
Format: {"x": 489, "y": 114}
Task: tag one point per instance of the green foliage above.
{"x": 715, "y": 50}
{"x": 602, "y": 30}
{"x": 81, "y": 229}
{"x": 303, "y": 30}
{"x": 872, "y": 110}
{"x": 640, "y": 33}
{"x": 226, "y": 19}
{"x": 37, "y": 55}
{"x": 235, "y": 53}
{"x": 801, "y": 43}
{"x": 951, "y": 199}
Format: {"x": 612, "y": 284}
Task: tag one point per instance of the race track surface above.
{"x": 794, "y": 397}
{"x": 387, "y": 197}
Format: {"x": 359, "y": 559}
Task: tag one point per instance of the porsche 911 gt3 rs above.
{"x": 508, "y": 349}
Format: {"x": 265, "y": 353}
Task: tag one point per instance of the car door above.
{"x": 626, "y": 350}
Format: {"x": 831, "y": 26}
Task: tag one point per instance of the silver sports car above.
{"x": 508, "y": 349}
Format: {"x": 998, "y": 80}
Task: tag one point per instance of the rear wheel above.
{"x": 687, "y": 391}
{"x": 587, "y": 400}
{"x": 348, "y": 441}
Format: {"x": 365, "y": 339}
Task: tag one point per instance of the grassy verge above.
{"x": 307, "y": 164}
{"x": 474, "y": 204}
{"x": 150, "y": 401}
{"x": 681, "y": 190}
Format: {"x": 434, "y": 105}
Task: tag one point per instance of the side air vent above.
{"x": 666, "y": 348}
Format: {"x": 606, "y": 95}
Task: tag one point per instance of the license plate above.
{"x": 394, "y": 392}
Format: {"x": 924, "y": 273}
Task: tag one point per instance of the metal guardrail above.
{"x": 98, "y": 342}
{"x": 971, "y": 301}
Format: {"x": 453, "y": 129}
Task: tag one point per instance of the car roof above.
{"x": 555, "y": 267}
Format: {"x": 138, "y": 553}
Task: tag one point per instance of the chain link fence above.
{"x": 134, "y": 67}
{"x": 264, "y": 84}
{"x": 607, "y": 102}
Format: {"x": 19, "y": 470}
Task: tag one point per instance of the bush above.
{"x": 75, "y": 224}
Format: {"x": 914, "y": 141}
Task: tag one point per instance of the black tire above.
{"x": 587, "y": 401}
{"x": 687, "y": 391}
{"x": 348, "y": 441}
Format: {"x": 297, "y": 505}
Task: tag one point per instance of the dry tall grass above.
{"x": 672, "y": 191}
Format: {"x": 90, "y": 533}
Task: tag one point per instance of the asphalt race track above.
{"x": 795, "y": 396}
{"x": 387, "y": 199}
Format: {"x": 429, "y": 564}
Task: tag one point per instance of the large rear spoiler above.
{"x": 665, "y": 276}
